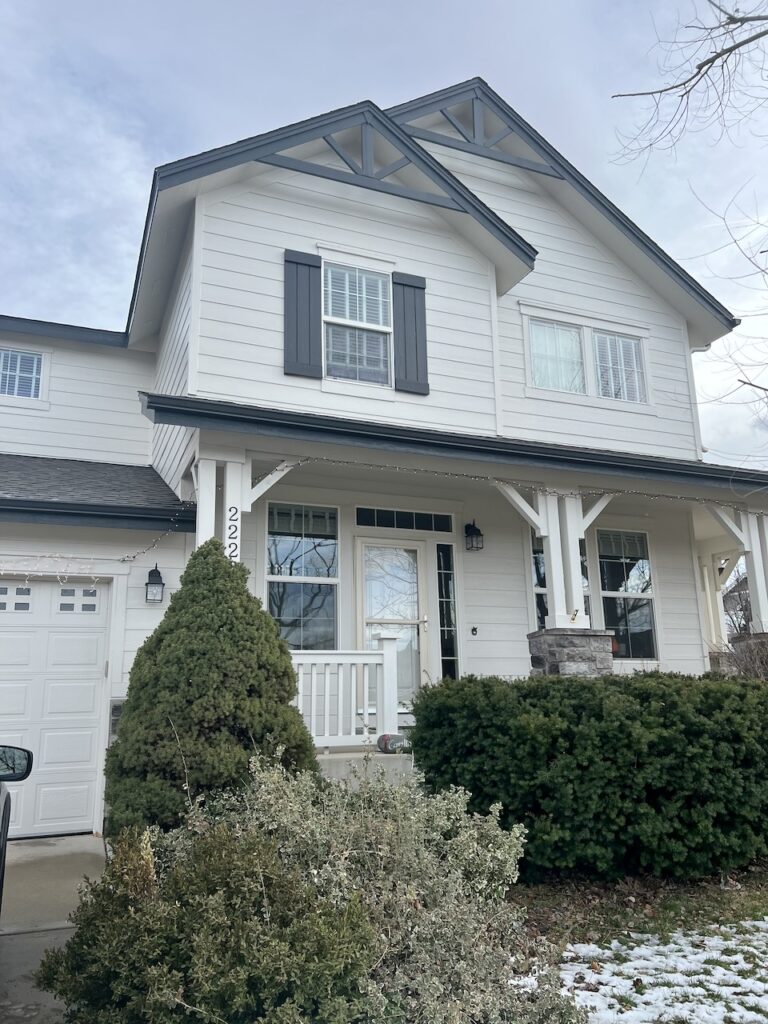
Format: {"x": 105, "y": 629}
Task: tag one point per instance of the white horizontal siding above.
{"x": 245, "y": 234}
{"x": 576, "y": 272}
{"x": 92, "y": 410}
{"x": 172, "y": 445}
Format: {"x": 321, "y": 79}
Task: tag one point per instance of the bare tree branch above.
{"x": 716, "y": 75}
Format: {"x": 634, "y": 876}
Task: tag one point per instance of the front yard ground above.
{"x": 647, "y": 952}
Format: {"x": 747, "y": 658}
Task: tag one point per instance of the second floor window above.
{"x": 357, "y": 324}
{"x": 20, "y": 373}
{"x": 557, "y": 357}
{"x": 620, "y": 370}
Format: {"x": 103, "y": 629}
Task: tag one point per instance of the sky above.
{"x": 94, "y": 95}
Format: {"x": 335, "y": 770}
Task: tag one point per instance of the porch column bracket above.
{"x": 729, "y": 524}
{"x": 268, "y": 481}
{"x": 535, "y": 518}
{"x": 596, "y": 509}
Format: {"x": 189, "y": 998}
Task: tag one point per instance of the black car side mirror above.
{"x": 15, "y": 764}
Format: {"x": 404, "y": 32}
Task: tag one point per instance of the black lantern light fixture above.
{"x": 154, "y": 586}
{"x": 473, "y": 536}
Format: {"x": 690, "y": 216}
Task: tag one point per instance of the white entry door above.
{"x": 52, "y": 675}
{"x": 393, "y": 602}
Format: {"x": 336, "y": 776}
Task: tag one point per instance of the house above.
{"x": 423, "y": 379}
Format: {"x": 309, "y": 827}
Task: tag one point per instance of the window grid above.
{"x": 446, "y": 592}
{"x": 357, "y": 315}
{"x": 626, "y": 588}
{"x": 389, "y": 518}
{"x": 619, "y": 365}
{"x": 20, "y": 373}
{"x": 302, "y": 573}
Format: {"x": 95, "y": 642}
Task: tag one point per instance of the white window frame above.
{"x": 648, "y": 595}
{"x": 332, "y": 580}
{"x": 41, "y": 402}
{"x": 589, "y": 325}
{"x": 353, "y": 262}
{"x": 623, "y": 336}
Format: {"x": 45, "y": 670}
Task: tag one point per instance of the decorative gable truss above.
{"x": 361, "y": 146}
{"x": 468, "y": 118}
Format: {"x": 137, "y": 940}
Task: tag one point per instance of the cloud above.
{"x": 74, "y": 184}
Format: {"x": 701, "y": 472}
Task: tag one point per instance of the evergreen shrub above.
{"x": 208, "y": 689}
{"x": 297, "y": 901}
{"x": 645, "y": 774}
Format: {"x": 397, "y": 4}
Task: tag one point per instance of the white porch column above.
{"x": 716, "y": 630}
{"x": 387, "y": 712}
{"x": 206, "y": 500}
{"x": 755, "y": 558}
{"x": 571, "y": 533}
{"x": 750, "y": 532}
{"x": 558, "y": 616}
{"x": 233, "y": 510}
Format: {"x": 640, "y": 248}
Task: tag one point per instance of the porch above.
{"x": 362, "y": 558}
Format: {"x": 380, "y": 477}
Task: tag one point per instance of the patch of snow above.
{"x": 714, "y": 977}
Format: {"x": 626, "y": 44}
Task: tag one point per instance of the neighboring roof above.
{"x": 89, "y": 493}
{"x": 554, "y": 162}
{"x": 62, "y": 332}
{"x": 229, "y": 416}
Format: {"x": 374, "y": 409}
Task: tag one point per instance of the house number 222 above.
{"x": 233, "y": 533}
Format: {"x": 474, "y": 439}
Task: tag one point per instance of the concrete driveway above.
{"x": 41, "y": 882}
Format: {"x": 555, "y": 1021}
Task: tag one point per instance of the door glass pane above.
{"x": 408, "y": 666}
{"x": 391, "y": 583}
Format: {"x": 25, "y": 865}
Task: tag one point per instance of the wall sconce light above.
{"x": 473, "y": 536}
{"x": 154, "y": 586}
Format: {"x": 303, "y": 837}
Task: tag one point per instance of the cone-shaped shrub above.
{"x": 208, "y": 689}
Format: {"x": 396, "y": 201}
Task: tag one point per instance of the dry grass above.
{"x": 581, "y": 910}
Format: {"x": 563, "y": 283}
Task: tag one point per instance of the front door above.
{"x": 392, "y": 598}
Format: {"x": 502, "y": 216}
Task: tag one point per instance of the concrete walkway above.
{"x": 41, "y": 891}
{"x": 42, "y": 878}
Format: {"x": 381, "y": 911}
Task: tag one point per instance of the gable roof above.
{"x": 512, "y": 141}
{"x": 430, "y": 182}
{"x": 542, "y": 157}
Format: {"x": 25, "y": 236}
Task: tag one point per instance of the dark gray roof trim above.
{"x": 477, "y": 88}
{"x": 63, "y": 332}
{"x": 267, "y": 147}
{"x": 75, "y": 493}
{"x": 198, "y": 412}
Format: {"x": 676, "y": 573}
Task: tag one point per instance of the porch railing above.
{"x": 346, "y": 697}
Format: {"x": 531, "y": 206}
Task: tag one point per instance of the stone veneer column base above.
{"x": 571, "y": 652}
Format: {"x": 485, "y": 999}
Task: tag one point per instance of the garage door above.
{"x": 52, "y": 677}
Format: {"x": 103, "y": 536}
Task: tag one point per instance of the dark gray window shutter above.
{"x": 303, "y": 341}
{"x": 409, "y": 327}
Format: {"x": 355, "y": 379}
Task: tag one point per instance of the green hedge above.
{"x": 658, "y": 774}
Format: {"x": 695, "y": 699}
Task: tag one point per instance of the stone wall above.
{"x": 571, "y": 652}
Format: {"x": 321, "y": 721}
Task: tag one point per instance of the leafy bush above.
{"x": 666, "y": 775}
{"x": 209, "y": 688}
{"x": 297, "y": 900}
